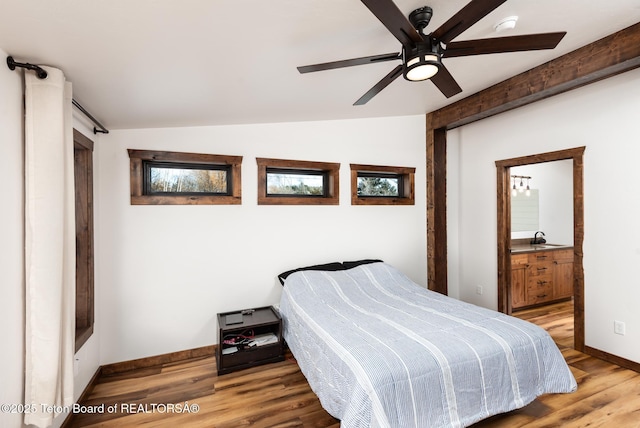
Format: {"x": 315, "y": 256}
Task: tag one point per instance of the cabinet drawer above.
{"x": 563, "y": 255}
{"x": 519, "y": 259}
{"x": 539, "y": 269}
{"x": 539, "y": 294}
{"x": 540, "y": 281}
{"x": 540, "y": 257}
{"x": 252, "y": 356}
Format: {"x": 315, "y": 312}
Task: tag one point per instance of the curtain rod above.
{"x": 42, "y": 74}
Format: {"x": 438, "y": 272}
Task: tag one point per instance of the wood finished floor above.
{"x": 277, "y": 395}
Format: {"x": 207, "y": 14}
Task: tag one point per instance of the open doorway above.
{"x": 504, "y": 231}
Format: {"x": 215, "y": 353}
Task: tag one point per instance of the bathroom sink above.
{"x": 544, "y": 246}
{"x": 536, "y": 247}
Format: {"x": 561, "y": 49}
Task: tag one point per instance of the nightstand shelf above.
{"x": 259, "y": 322}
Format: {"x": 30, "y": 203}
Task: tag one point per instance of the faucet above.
{"x": 538, "y": 240}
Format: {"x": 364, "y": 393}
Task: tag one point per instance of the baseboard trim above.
{"x": 157, "y": 360}
{"x": 87, "y": 390}
{"x": 613, "y": 359}
{"x": 140, "y": 363}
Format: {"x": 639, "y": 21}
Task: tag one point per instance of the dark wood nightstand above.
{"x": 262, "y": 330}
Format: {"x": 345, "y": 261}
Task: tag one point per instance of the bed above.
{"x": 381, "y": 351}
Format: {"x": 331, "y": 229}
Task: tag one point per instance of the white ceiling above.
{"x": 160, "y": 63}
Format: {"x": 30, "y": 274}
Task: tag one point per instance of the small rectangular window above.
{"x": 382, "y": 185}
{"x": 186, "y": 179}
{"x": 283, "y": 182}
{"x": 292, "y": 182}
{"x": 177, "y": 178}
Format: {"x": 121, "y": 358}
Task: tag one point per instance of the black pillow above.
{"x": 327, "y": 266}
{"x": 356, "y": 263}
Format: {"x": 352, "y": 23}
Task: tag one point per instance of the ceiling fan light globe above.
{"x": 422, "y": 67}
{"x": 422, "y": 72}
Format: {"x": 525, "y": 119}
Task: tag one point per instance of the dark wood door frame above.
{"x": 604, "y": 58}
{"x": 504, "y": 231}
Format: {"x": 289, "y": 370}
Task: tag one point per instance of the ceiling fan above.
{"x": 422, "y": 53}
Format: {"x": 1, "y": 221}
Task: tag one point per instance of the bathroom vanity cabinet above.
{"x": 541, "y": 276}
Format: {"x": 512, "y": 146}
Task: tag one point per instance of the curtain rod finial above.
{"x": 11, "y": 63}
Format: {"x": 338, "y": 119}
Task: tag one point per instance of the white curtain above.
{"x": 49, "y": 245}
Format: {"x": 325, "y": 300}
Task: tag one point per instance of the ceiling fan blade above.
{"x": 395, "y": 21}
{"x": 528, "y": 42}
{"x": 465, "y": 18}
{"x": 446, "y": 83}
{"x": 386, "y": 80}
{"x": 350, "y": 62}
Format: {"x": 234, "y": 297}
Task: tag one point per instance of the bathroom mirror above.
{"x": 525, "y": 211}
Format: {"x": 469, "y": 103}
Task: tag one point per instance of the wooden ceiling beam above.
{"x": 604, "y": 58}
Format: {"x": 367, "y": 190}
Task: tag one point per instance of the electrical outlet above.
{"x": 619, "y": 328}
{"x": 479, "y": 289}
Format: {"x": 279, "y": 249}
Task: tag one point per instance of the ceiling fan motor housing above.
{"x": 421, "y": 17}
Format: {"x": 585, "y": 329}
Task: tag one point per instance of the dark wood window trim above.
{"x": 83, "y": 175}
{"x": 138, "y": 196}
{"x": 333, "y": 186}
{"x": 408, "y": 185}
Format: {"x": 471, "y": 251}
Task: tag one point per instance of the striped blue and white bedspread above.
{"x": 381, "y": 351}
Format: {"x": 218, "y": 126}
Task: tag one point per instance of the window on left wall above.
{"x": 83, "y": 178}
{"x": 176, "y": 178}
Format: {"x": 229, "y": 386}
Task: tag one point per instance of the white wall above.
{"x": 166, "y": 271}
{"x": 602, "y": 117}
{"x": 12, "y": 302}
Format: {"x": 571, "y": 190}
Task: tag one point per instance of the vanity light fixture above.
{"x": 521, "y": 187}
